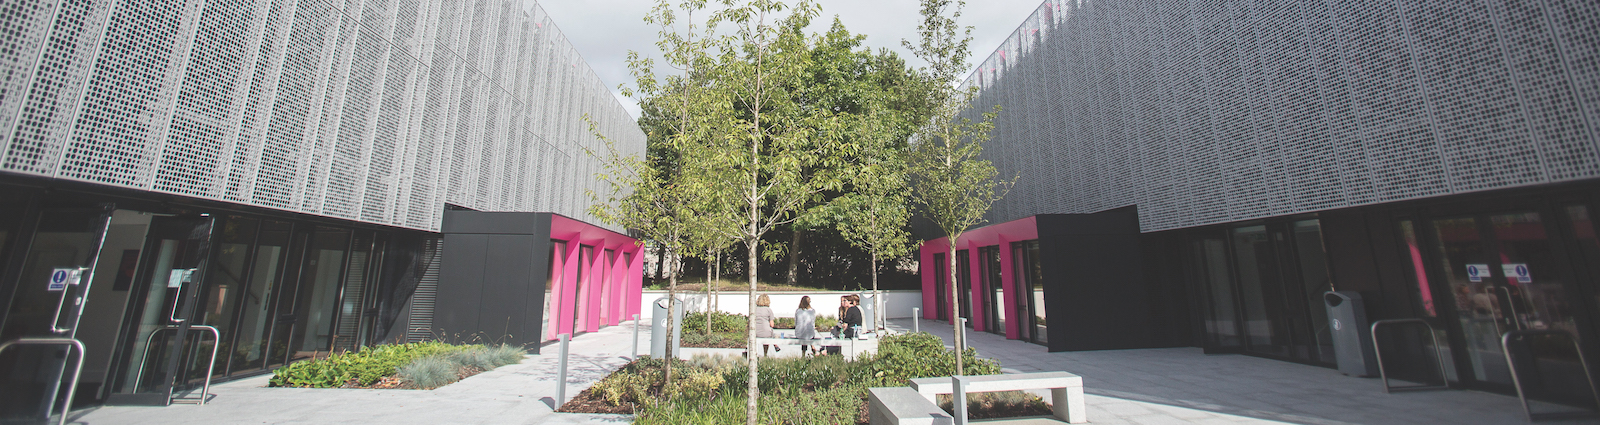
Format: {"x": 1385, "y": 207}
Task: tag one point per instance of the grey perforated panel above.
{"x": 379, "y": 111}
{"x": 1211, "y": 111}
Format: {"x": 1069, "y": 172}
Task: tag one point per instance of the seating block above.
{"x": 1066, "y": 389}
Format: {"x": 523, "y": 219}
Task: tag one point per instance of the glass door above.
{"x": 1505, "y": 275}
{"x": 964, "y": 284}
{"x": 992, "y": 292}
{"x": 941, "y": 274}
{"x": 49, "y": 298}
{"x": 157, "y": 342}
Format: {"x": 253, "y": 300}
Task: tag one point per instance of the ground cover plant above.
{"x": 804, "y": 390}
{"x": 421, "y": 365}
{"x": 728, "y": 329}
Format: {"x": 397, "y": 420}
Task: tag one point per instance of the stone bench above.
{"x": 1066, "y": 390}
{"x": 904, "y": 406}
{"x": 849, "y": 347}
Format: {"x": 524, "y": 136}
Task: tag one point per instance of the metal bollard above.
{"x": 963, "y": 347}
{"x": 958, "y": 399}
{"x": 634, "y": 355}
{"x": 561, "y": 374}
{"x": 916, "y": 319}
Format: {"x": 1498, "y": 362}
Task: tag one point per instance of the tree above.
{"x": 762, "y": 59}
{"x": 952, "y": 186}
{"x": 664, "y": 197}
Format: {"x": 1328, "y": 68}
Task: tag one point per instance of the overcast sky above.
{"x": 605, "y": 30}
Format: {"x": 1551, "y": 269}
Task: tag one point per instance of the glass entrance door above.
{"x": 52, "y": 285}
{"x": 157, "y": 342}
{"x": 1505, "y": 275}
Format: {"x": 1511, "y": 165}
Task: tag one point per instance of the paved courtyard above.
{"x": 1182, "y": 385}
{"x": 514, "y": 394}
{"x": 1156, "y": 386}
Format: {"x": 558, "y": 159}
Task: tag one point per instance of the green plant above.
{"x": 997, "y": 404}
{"x": 919, "y": 355}
{"x": 720, "y": 322}
{"x": 364, "y": 367}
{"x": 429, "y": 372}
{"x": 487, "y": 358}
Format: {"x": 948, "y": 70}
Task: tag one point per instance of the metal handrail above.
{"x": 210, "y": 367}
{"x": 1438, "y": 357}
{"x": 1505, "y": 347}
{"x": 76, "y": 372}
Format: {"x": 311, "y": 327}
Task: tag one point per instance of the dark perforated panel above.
{"x": 379, "y": 111}
{"x": 1210, "y": 111}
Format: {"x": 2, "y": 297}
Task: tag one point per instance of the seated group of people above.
{"x": 805, "y": 321}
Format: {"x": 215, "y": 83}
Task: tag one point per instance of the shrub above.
{"x": 697, "y": 384}
{"x": 365, "y": 366}
{"x": 919, "y": 355}
{"x": 429, "y": 372}
{"x": 720, "y": 322}
{"x": 487, "y": 358}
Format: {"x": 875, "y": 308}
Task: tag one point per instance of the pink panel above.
{"x": 994, "y": 235}
{"x": 929, "y": 303}
{"x": 974, "y": 289}
{"x": 1009, "y": 288}
{"x": 569, "y": 286}
{"x": 557, "y": 290}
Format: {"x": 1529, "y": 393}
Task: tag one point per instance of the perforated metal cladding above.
{"x": 378, "y": 111}
{"x": 1211, "y": 111}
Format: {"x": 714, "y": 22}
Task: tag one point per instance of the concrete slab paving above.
{"x": 1184, "y": 385}
{"x": 514, "y": 394}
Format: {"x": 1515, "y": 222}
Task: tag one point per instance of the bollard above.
{"x": 916, "y": 319}
{"x": 561, "y": 374}
{"x": 634, "y": 355}
{"x": 963, "y": 347}
{"x": 958, "y": 399}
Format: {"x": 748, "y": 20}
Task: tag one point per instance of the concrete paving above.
{"x": 1183, "y": 385}
{"x": 1156, "y": 386}
{"x": 514, "y": 394}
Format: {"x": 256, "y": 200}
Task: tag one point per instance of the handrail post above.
{"x": 634, "y": 355}
{"x": 1438, "y": 357}
{"x": 1516, "y": 379}
{"x": 77, "y": 370}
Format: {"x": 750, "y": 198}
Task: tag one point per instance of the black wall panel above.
{"x": 492, "y": 280}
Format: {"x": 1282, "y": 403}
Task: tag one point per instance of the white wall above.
{"x": 784, "y": 303}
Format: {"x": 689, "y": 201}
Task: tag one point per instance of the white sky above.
{"x": 605, "y": 30}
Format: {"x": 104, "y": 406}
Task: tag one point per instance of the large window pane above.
{"x": 1036, "y": 278}
{"x": 1422, "y": 291}
{"x": 964, "y": 277}
{"x": 255, "y": 314}
{"x": 1582, "y": 225}
{"x": 941, "y": 277}
{"x": 352, "y": 303}
{"x": 319, "y": 291}
{"x": 1258, "y": 274}
{"x": 1314, "y": 275}
{"x": 1211, "y": 263}
{"x": 225, "y": 281}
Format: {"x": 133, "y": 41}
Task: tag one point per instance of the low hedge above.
{"x": 365, "y": 367}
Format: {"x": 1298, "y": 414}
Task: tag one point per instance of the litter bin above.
{"x": 1352, "y": 336}
{"x": 658, "y": 328}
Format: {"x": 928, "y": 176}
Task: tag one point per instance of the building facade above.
{"x": 1200, "y": 173}
{"x": 271, "y": 178}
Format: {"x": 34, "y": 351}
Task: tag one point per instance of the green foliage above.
{"x": 822, "y": 322}
{"x": 920, "y": 355}
{"x": 429, "y": 372}
{"x": 365, "y": 366}
{"x": 720, "y": 322}
{"x": 999, "y": 401}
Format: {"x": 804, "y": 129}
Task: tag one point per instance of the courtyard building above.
{"x": 275, "y": 181}
{"x": 1201, "y": 173}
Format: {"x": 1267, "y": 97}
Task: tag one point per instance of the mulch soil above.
{"x": 588, "y": 402}
{"x": 393, "y": 382}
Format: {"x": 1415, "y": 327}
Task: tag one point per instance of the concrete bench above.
{"x": 1066, "y": 390}
{"x": 903, "y": 406}
{"x": 848, "y": 347}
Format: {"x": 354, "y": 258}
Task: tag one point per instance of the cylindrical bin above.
{"x": 658, "y": 327}
{"x": 1352, "y": 335}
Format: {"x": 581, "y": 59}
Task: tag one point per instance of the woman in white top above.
{"x": 805, "y": 324}
{"x": 763, "y": 319}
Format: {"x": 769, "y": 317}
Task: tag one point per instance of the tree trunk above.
{"x": 877, "y": 298}
{"x": 672, "y": 300}
{"x": 717, "y": 305}
{"x": 794, "y": 256}
{"x": 955, "y": 307}
{"x": 708, "y": 294}
{"x": 661, "y": 260}
{"x": 750, "y": 329}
